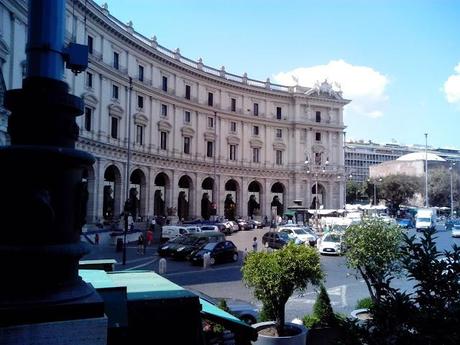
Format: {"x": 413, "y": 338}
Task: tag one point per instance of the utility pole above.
{"x": 426, "y": 169}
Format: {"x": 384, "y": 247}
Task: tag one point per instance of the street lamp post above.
{"x": 426, "y": 170}
{"x": 452, "y": 164}
{"x": 323, "y": 169}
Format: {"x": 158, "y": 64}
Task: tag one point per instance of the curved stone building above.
{"x": 193, "y": 132}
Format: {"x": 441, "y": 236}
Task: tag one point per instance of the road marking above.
{"x": 142, "y": 265}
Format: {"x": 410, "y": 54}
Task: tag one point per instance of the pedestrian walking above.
{"x": 141, "y": 244}
{"x": 96, "y": 239}
{"x": 254, "y": 244}
{"x": 149, "y": 237}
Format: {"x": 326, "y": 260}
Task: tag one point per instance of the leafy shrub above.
{"x": 364, "y": 303}
{"x": 323, "y": 315}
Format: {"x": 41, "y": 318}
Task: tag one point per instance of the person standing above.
{"x": 149, "y": 237}
{"x": 254, "y": 244}
{"x": 141, "y": 244}
{"x": 96, "y": 239}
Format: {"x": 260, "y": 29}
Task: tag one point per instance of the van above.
{"x": 209, "y": 228}
{"x": 170, "y": 232}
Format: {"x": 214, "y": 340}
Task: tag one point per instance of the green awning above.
{"x": 230, "y": 322}
{"x": 289, "y": 213}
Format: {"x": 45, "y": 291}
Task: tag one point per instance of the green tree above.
{"x": 429, "y": 313}
{"x": 275, "y": 276}
{"x": 355, "y": 191}
{"x": 373, "y": 250}
{"x": 439, "y": 187}
{"x": 397, "y": 189}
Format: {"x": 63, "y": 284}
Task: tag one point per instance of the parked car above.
{"x": 193, "y": 228}
{"x": 456, "y": 230}
{"x": 234, "y": 225}
{"x": 332, "y": 243}
{"x": 243, "y": 224}
{"x": 243, "y": 310}
{"x": 405, "y": 223}
{"x": 170, "y": 232}
{"x": 255, "y": 224}
{"x": 275, "y": 240}
{"x": 299, "y": 235}
{"x": 219, "y": 252}
{"x": 165, "y": 249}
{"x": 195, "y": 243}
{"x": 209, "y": 228}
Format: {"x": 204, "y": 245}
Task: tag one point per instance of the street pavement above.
{"x": 224, "y": 280}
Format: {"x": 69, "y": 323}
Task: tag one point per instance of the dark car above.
{"x": 166, "y": 248}
{"x": 195, "y": 242}
{"x": 275, "y": 240}
{"x": 219, "y": 252}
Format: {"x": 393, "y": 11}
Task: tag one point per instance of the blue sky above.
{"x": 398, "y": 61}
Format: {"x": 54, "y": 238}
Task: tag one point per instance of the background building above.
{"x": 193, "y": 130}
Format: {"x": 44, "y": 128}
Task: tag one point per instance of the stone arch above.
{"x": 162, "y": 187}
{"x": 232, "y": 191}
{"x": 207, "y": 198}
{"x": 138, "y": 192}
{"x": 278, "y": 194}
{"x": 254, "y": 198}
{"x": 318, "y": 197}
{"x": 185, "y": 186}
{"x": 89, "y": 178}
{"x": 112, "y": 192}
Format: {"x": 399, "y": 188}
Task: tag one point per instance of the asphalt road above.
{"x": 224, "y": 280}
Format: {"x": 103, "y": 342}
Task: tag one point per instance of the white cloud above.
{"x": 363, "y": 85}
{"x": 452, "y": 86}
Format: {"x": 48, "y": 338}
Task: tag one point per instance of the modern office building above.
{"x": 171, "y": 131}
{"x": 361, "y": 155}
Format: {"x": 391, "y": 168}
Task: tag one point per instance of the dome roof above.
{"x": 420, "y": 156}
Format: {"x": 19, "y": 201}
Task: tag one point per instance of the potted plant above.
{"x": 323, "y": 323}
{"x": 274, "y": 276}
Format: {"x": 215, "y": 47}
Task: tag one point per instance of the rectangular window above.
{"x": 114, "y": 92}
{"x": 232, "y": 152}
{"x": 187, "y": 91}
{"x": 210, "y": 122}
{"x": 318, "y": 136}
{"x": 187, "y": 117}
{"x": 233, "y": 107}
{"x": 233, "y": 126}
{"x": 255, "y": 155}
{"x": 114, "y": 128}
{"x": 139, "y": 134}
{"x": 256, "y": 109}
{"x": 318, "y": 116}
{"x": 140, "y": 102}
{"x": 278, "y": 113}
{"x": 210, "y": 99}
{"x": 89, "y": 79}
{"x": 164, "y": 110}
{"x": 255, "y": 130}
{"x": 279, "y": 133}
{"x": 279, "y": 157}
{"x": 164, "y": 85}
{"x": 186, "y": 145}
{"x": 90, "y": 44}
{"x": 116, "y": 60}
{"x": 209, "y": 149}
{"x": 163, "y": 136}
{"x": 141, "y": 72}
{"x": 88, "y": 117}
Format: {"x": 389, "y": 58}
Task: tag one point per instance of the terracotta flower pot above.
{"x": 299, "y": 338}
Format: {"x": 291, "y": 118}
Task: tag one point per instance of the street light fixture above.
{"x": 316, "y": 170}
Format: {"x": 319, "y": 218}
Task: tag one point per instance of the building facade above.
{"x": 176, "y": 135}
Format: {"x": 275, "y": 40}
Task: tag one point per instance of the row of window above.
{"x": 187, "y": 140}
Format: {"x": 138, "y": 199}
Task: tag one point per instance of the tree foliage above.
{"x": 275, "y": 276}
{"x": 439, "y": 187}
{"x": 355, "y": 191}
{"x": 429, "y": 313}
{"x": 373, "y": 250}
{"x": 397, "y": 189}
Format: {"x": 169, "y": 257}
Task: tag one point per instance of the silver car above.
{"x": 456, "y": 230}
{"x": 243, "y": 310}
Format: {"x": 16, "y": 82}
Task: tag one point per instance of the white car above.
{"x": 456, "y": 230}
{"x": 331, "y": 243}
{"x": 299, "y": 235}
